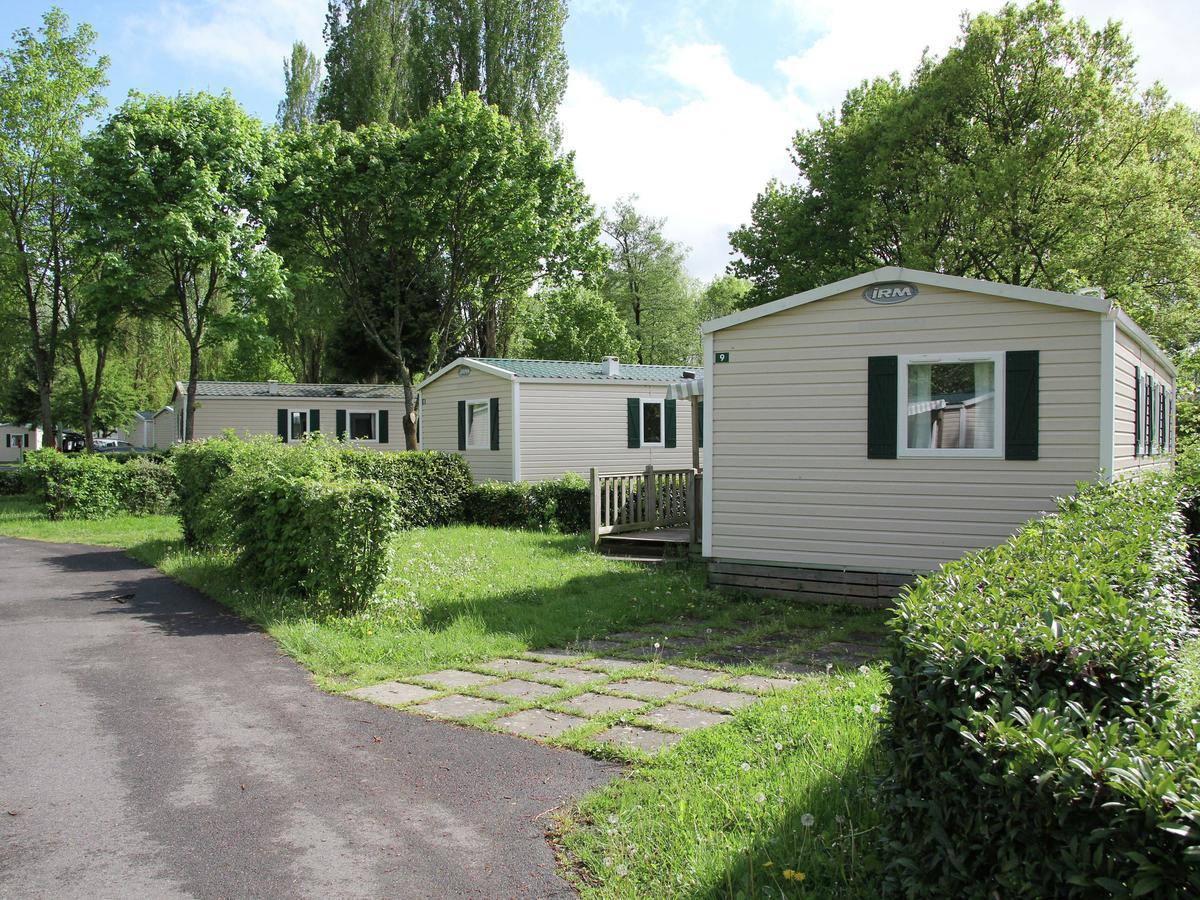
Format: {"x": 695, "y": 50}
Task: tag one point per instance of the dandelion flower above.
{"x": 622, "y": 870}
{"x": 778, "y": 745}
{"x": 839, "y": 818}
{"x": 798, "y": 876}
{"x": 864, "y": 669}
{"x": 858, "y": 710}
{"x": 761, "y": 798}
{"x": 745, "y": 767}
{"x": 788, "y": 873}
{"x": 783, "y": 708}
{"x": 876, "y": 708}
{"x": 608, "y": 862}
{"x": 657, "y": 645}
{"x": 612, "y": 820}
{"x": 807, "y": 820}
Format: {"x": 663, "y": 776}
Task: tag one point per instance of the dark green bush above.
{"x": 91, "y": 486}
{"x": 430, "y": 485}
{"x": 1019, "y": 674}
{"x": 326, "y": 539}
{"x": 12, "y": 481}
{"x": 565, "y": 504}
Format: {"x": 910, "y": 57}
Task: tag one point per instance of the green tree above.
{"x": 175, "y": 191}
{"x": 723, "y": 295}
{"x": 301, "y": 88}
{"x": 574, "y": 323}
{"x": 646, "y": 280}
{"x": 50, "y": 83}
{"x": 365, "y": 70}
{"x": 510, "y": 52}
{"x": 1025, "y": 155}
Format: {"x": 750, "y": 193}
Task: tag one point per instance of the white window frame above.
{"x": 374, "y": 414}
{"x": 903, "y": 362}
{"x": 290, "y": 413}
{"x": 486, "y": 432}
{"x": 662, "y": 422}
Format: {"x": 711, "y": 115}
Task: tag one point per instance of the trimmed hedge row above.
{"x": 564, "y": 504}
{"x": 89, "y": 486}
{"x": 1034, "y": 744}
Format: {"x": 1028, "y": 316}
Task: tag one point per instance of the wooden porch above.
{"x": 652, "y": 514}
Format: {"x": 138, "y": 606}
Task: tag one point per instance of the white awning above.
{"x": 686, "y": 389}
{"x": 915, "y": 409}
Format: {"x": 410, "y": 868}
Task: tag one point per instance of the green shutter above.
{"x": 1021, "y": 369}
{"x": 314, "y": 420}
{"x": 634, "y": 407}
{"x": 494, "y": 421}
{"x": 340, "y": 418}
{"x": 1137, "y": 411}
{"x": 281, "y": 420}
{"x": 462, "y": 425}
{"x": 881, "y": 407}
{"x": 700, "y": 430}
{"x": 1150, "y": 414}
{"x": 383, "y": 426}
{"x": 669, "y": 413}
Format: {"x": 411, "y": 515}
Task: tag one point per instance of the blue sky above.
{"x": 689, "y": 104}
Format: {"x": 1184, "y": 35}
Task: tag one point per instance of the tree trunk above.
{"x": 410, "y": 409}
{"x": 189, "y": 422}
{"x": 44, "y": 404}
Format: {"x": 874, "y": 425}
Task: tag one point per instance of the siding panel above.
{"x": 439, "y": 425}
{"x": 251, "y": 416}
{"x": 1127, "y": 357}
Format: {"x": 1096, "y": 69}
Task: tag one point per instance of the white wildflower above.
{"x": 807, "y": 820}
{"x": 612, "y": 820}
{"x": 608, "y": 862}
{"x": 876, "y": 708}
{"x": 761, "y": 798}
{"x": 778, "y": 745}
{"x": 865, "y": 669}
{"x": 622, "y": 870}
{"x": 745, "y": 767}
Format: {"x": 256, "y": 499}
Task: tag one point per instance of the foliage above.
{"x": 1025, "y": 156}
{"x": 12, "y": 481}
{"x": 365, "y": 72}
{"x": 174, "y": 192}
{"x": 564, "y": 504}
{"x": 90, "y": 486}
{"x": 50, "y": 84}
{"x": 1031, "y": 679}
{"x": 646, "y": 280}
{"x": 301, "y": 88}
{"x": 430, "y": 485}
{"x": 573, "y": 323}
{"x": 325, "y": 538}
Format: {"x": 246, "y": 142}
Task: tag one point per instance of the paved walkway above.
{"x": 154, "y": 745}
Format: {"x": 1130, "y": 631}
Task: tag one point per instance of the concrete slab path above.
{"x": 161, "y": 747}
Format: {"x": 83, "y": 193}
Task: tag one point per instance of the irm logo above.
{"x": 890, "y": 292}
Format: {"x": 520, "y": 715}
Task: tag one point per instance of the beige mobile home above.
{"x": 531, "y": 420}
{"x": 875, "y": 428}
{"x": 368, "y": 415}
{"x": 17, "y": 439}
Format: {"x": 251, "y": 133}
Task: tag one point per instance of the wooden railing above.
{"x": 642, "y": 501}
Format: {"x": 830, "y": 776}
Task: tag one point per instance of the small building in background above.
{"x": 368, "y": 415}
{"x": 16, "y": 439}
{"x": 533, "y": 420}
{"x": 875, "y": 428}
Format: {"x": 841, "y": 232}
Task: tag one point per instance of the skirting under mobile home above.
{"x": 873, "y": 429}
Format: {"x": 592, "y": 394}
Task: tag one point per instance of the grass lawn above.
{"x": 726, "y": 812}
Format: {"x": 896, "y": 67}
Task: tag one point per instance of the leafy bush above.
{"x": 12, "y": 481}
{"x": 90, "y": 486}
{"x": 565, "y": 504}
{"x": 1023, "y": 678}
{"x": 430, "y": 485}
{"x": 325, "y": 538}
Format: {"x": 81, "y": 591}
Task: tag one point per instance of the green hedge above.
{"x": 326, "y": 539}
{"x": 91, "y": 486}
{"x": 430, "y": 485}
{"x": 1031, "y": 717}
{"x": 12, "y": 481}
{"x": 564, "y": 504}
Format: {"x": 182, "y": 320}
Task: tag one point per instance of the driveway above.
{"x": 161, "y": 747}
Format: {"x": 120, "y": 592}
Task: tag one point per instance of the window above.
{"x": 361, "y": 426}
{"x": 652, "y": 423}
{"x": 950, "y": 405}
{"x": 297, "y": 424}
{"x": 479, "y": 425}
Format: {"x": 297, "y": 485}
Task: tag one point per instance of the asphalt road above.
{"x": 161, "y": 747}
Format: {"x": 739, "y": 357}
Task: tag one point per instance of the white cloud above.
{"x": 700, "y": 164}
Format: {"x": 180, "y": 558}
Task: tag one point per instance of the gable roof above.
{"x": 570, "y": 371}
{"x": 263, "y": 389}
{"x": 1099, "y": 305}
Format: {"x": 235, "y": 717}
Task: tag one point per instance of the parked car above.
{"x": 110, "y": 446}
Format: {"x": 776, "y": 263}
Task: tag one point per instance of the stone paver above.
{"x": 458, "y": 706}
{"x": 761, "y": 684}
{"x": 513, "y": 666}
{"x": 392, "y": 693}
{"x": 685, "y": 718}
{"x": 519, "y": 689}
{"x": 569, "y": 675}
{"x": 456, "y": 678}
{"x": 627, "y": 636}
{"x": 689, "y": 675}
{"x": 838, "y": 653}
{"x": 538, "y": 723}
{"x": 608, "y": 664}
{"x": 640, "y": 738}
{"x": 595, "y": 646}
{"x": 641, "y": 687}
{"x": 598, "y": 704}
{"x": 723, "y": 700}
{"x": 866, "y": 637}
{"x": 556, "y": 655}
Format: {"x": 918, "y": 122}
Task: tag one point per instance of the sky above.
{"x": 690, "y": 105}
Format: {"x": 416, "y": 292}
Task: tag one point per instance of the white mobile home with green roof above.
{"x": 532, "y": 420}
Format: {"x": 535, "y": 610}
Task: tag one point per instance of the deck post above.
{"x": 695, "y": 492}
{"x": 651, "y": 491}
{"x": 595, "y": 507}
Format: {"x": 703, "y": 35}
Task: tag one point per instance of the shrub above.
{"x": 1023, "y": 678}
{"x": 148, "y": 486}
{"x": 90, "y": 486}
{"x": 564, "y": 504}
{"x": 325, "y": 538}
{"x": 430, "y": 485}
{"x": 12, "y": 481}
